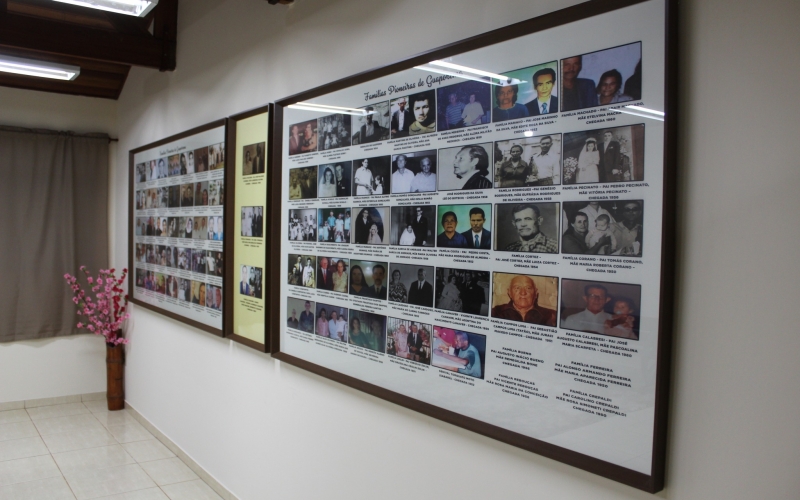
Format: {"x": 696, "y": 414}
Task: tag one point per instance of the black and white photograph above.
{"x": 614, "y": 154}
{"x": 174, "y": 196}
{"x": 367, "y": 330}
{"x": 459, "y": 351}
{"x": 334, "y": 225}
{"x": 465, "y": 167}
{"x": 401, "y": 117}
{"x": 527, "y": 227}
{"x": 525, "y": 298}
{"x": 414, "y": 225}
{"x": 533, "y": 91}
{"x": 302, "y": 270}
{"x": 368, "y": 278}
{"x": 329, "y": 321}
{"x": 174, "y": 227}
{"x": 303, "y": 183}
{"x": 187, "y": 163}
{"x": 201, "y": 159}
{"x": 300, "y": 314}
{"x": 333, "y": 274}
{"x": 140, "y": 196}
{"x": 333, "y": 132}
{"x": 163, "y": 197}
{"x": 528, "y": 161}
{"x": 185, "y": 258}
{"x": 463, "y": 105}
{"x": 216, "y": 156}
{"x": 216, "y": 192}
{"x": 409, "y": 339}
{"x": 201, "y": 194}
{"x": 414, "y": 114}
{"x": 411, "y": 284}
{"x": 253, "y": 222}
{"x": 302, "y": 224}
{"x": 369, "y": 226}
{"x": 414, "y": 172}
{"x": 464, "y": 226}
{"x": 601, "y": 78}
{"x": 462, "y": 290}
{"x": 141, "y": 172}
{"x": 250, "y": 282}
{"x": 603, "y": 227}
{"x": 374, "y": 125}
{"x": 187, "y": 195}
{"x": 152, "y": 169}
{"x": 303, "y": 137}
{"x": 372, "y": 176}
{"x": 334, "y": 179}
{"x": 597, "y": 307}
{"x": 254, "y": 158}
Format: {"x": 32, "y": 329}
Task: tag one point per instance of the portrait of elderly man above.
{"x": 472, "y": 163}
{"x": 522, "y": 305}
{"x": 593, "y": 318}
{"x": 527, "y": 221}
{"x": 545, "y": 164}
{"x": 371, "y": 130}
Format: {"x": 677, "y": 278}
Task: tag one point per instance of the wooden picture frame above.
{"x": 660, "y": 201}
{"x": 231, "y": 278}
{"x": 219, "y": 130}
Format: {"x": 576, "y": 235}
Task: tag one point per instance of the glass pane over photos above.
{"x": 483, "y": 232}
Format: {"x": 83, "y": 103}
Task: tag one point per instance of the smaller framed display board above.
{"x": 176, "y": 224}
{"x": 484, "y": 233}
{"x": 247, "y": 224}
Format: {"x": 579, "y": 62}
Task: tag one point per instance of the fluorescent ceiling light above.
{"x": 43, "y": 69}
{"x": 643, "y": 112}
{"x": 138, "y": 8}
{"x": 328, "y": 109}
{"x": 464, "y": 76}
{"x": 503, "y": 80}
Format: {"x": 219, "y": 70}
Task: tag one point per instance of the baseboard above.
{"x": 58, "y": 400}
{"x": 189, "y": 461}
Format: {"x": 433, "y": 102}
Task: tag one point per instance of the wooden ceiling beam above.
{"x": 124, "y": 47}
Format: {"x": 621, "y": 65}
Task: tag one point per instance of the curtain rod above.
{"x": 95, "y": 135}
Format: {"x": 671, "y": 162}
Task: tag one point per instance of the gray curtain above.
{"x": 53, "y": 219}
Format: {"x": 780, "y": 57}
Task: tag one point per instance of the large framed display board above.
{"x": 484, "y": 233}
{"x": 176, "y": 226}
{"x": 248, "y": 302}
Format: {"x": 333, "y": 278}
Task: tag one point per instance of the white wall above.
{"x": 68, "y": 365}
{"x": 267, "y": 430}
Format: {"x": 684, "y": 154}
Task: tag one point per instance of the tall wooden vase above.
{"x": 115, "y": 371}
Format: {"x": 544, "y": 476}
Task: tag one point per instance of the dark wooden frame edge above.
{"x": 230, "y": 213}
{"x": 131, "y": 218}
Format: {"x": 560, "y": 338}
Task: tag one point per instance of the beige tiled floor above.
{"x": 81, "y": 451}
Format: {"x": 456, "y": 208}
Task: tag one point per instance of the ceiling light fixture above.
{"x": 307, "y": 106}
{"x": 42, "y": 69}
{"x": 138, "y": 8}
